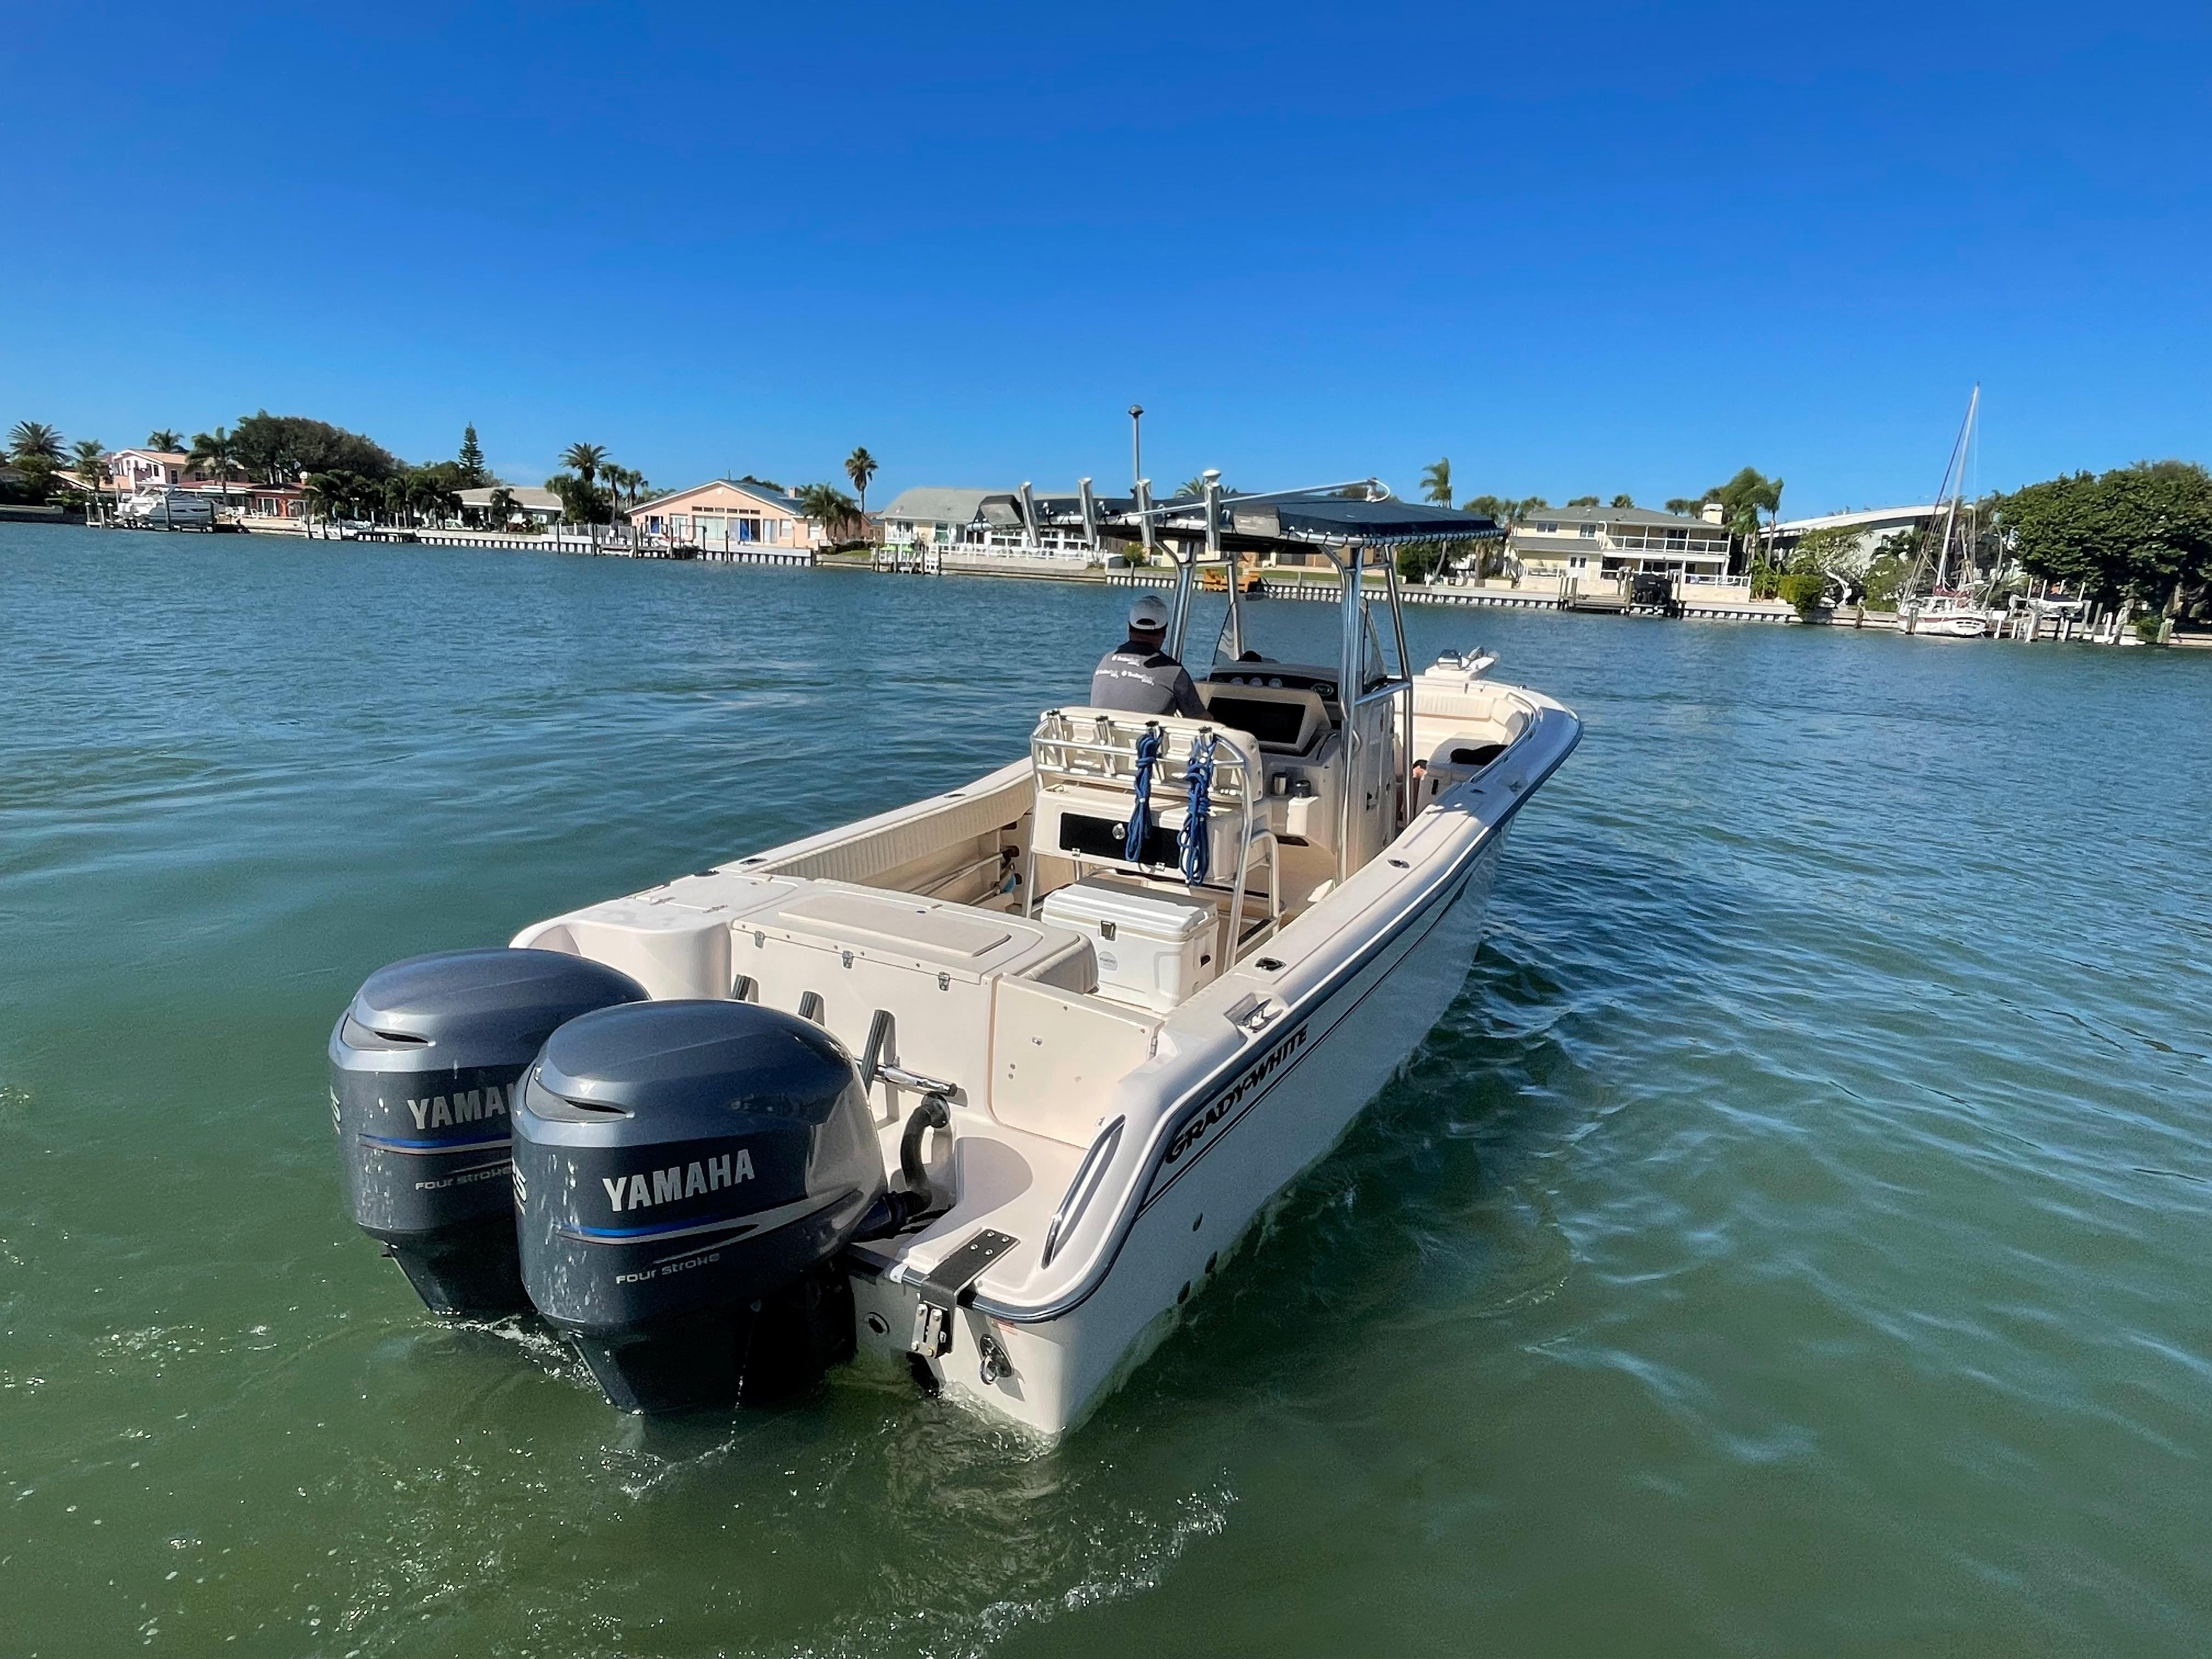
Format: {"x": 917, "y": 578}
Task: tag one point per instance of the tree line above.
{"x": 258, "y": 448}
{"x": 2137, "y": 536}
{"x": 2140, "y": 533}
{"x": 349, "y": 476}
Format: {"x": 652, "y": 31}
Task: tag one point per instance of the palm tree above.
{"x": 1741, "y": 499}
{"x": 1436, "y": 483}
{"x": 163, "y": 439}
{"x": 584, "y": 460}
{"x": 337, "y": 494}
{"x": 1752, "y": 492}
{"x": 1624, "y": 501}
{"x": 327, "y": 493}
{"x": 86, "y": 458}
{"x": 829, "y": 507}
{"x": 425, "y": 495}
{"x": 216, "y": 449}
{"x": 626, "y": 481}
{"x": 502, "y": 506}
{"x": 860, "y": 467}
{"x": 36, "y": 441}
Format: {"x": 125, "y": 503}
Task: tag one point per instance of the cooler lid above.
{"x": 929, "y": 935}
{"x": 917, "y": 925}
{"x": 1146, "y": 910}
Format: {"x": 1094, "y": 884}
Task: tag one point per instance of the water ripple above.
{"x": 1790, "y": 1240}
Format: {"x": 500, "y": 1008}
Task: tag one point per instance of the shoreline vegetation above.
{"x": 2131, "y": 539}
{"x": 2133, "y": 535}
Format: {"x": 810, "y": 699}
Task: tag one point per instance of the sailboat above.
{"x": 1951, "y": 609}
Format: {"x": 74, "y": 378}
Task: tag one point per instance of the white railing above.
{"x": 1699, "y": 547}
{"x": 1075, "y": 556}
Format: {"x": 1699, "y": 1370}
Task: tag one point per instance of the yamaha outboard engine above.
{"x": 685, "y": 1174}
{"x": 424, "y": 1066}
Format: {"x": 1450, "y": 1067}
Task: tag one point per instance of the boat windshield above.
{"x": 1302, "y": 637}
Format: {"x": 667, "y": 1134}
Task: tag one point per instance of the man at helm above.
{"x": 1138, "y": 675}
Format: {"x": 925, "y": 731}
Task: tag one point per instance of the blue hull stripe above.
{"x": 428, "y": 1148}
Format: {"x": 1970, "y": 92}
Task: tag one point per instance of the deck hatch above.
{"x": 890, "y": 922}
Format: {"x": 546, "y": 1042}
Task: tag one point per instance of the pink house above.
{"x": 724, "y": 517}
{"x": 130, "y": 470}
{"x": 134, "y": 470}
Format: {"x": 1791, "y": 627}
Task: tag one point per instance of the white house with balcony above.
{"x": 1591, "y": 544}
{"x": 981, "y": 526}
{"x": 935, "y": 515}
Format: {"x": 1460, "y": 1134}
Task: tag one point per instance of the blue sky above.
{"x": 1576, "y": 248}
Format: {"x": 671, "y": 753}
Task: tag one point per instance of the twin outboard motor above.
{"x": 424, "y": 1068}
{"x": 684, "y": 1173}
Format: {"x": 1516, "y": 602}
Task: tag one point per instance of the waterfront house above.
{"x": 532, "y": 505}
{"x": 1591, "y": 545}
{"x": 935, "y": 515}
{"x": 724, "y": 516}
{"x": 986, "y": 526}
{"x": 131, "y": 471}
{"x": 245, "y": 499}
{"x": 1869, "y": 529}
{"x": 134, "y": 470}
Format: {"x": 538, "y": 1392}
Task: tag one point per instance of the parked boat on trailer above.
{"x": 991, "y": 1083}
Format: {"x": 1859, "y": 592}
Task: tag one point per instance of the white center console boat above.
{"x": 992, "y": 1084}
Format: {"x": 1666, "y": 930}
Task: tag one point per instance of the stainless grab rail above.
{"x": 1054, "y": 734}
{"x": 1080, "y": 1191}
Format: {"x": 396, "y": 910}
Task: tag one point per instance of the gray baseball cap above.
{"x": 1149, "y": 614}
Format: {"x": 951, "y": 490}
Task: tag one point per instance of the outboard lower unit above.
{"x": 686, "y": 1173}
{"x": 424, "y": 1068}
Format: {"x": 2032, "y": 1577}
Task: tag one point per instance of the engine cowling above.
{"x": 684, "y": 1174}
{"x": 424, "y": 1066}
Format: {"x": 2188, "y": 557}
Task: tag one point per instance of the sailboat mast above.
{"x": 1954, "y": 480}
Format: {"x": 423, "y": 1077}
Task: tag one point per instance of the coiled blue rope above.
{"x": 1140, "y": 815}
{"x": 1197, "y": 844}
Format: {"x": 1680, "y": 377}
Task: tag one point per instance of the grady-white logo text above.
{"x": 463, "y": 1106}
{"x": 1244, "y": 1090}
{"x": 640, "y": 1192}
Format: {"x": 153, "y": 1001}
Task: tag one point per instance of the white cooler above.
{"x": 1154, "y": 948}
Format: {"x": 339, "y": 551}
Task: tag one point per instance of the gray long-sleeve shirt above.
{"x": 1143, "y": 681}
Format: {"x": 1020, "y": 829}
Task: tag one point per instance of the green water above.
{"x": 1793, "y": 1240}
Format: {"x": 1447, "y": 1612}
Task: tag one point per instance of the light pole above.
{"x": 1136, "y": 444}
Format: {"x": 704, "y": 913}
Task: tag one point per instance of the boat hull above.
{"x": 1233, "y": 1154}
